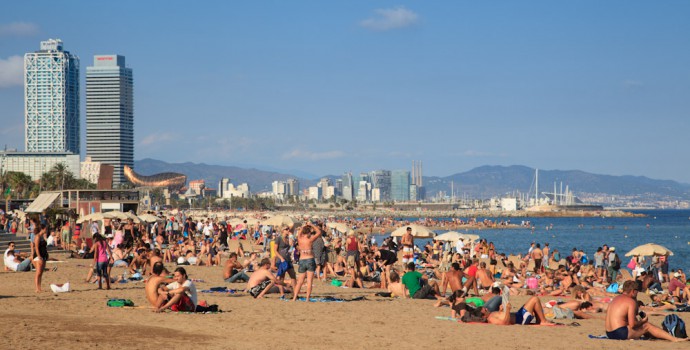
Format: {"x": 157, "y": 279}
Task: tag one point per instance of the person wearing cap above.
{"x": 677, "y": 288}
{"x": 614, "y": 264}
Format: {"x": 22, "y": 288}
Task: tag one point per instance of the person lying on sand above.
{"x": 530, "y": 311}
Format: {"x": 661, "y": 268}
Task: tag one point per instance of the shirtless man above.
{"x": 139, "y": 263}
{"x": 262, "y": 281}
{"x": 484, "y": 277}
{"x": 452, "y": 279}
{"x": 537, "y": 255}
{"x": 532, "y": 310}
{"x": 396, "y": 288}
{"x": 159, "y": 277}
{"x": 622, "y": 322}
{"x": 233, "y": 270}
{"x": 155, "y": 257}
{"x": 407, "y": 242}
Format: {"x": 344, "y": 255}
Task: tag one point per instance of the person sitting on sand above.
{"x": 160, "y": 276}
{"x": 139, "y": 262}
{"x": 484, "y": 277}
{"x": 233, "y": 270}
{"x": 179, "y": 295}
{"x": 531, "y": 310}
{"x": 622, "y": 322}
{"x": 396, "y": 288}
{"x": 262, "y": 281}
{"x": 16, "y": 262}
{"x": 418, "y": 285}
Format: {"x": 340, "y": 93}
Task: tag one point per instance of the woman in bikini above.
{"x": 306, "y": 237}
{"x": 39, "y": 255}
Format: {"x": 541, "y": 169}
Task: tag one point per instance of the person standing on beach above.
{"x": 101, "y": 255}
{"x": 307, "y": 264}
{"x": 614, "y": 265}
{"x": 407, "y": 241}
{"x": 39, "y": 255}
{"x": 537, "y": 255}
{"x": 282, "y": 251}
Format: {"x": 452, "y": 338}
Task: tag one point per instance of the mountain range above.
{"x": 480, "y": 182}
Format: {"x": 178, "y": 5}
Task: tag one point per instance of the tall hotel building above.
{"x": 51, "y": 99}
{"x": 110, "y": 114}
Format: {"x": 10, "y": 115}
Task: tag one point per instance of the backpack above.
{"x": 616, "y": 262}
{"x": 675, "y": 326}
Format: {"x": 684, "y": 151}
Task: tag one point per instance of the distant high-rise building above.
{"x": 292, "y": 187}
{"x": 400, "y": 185}
{"x": 420, "y": 192}
{"x": 51, "y": 99}
{"x": 348, "y": 184}
{"x": 110, "y": 114}
{"x": 381, "y": 180}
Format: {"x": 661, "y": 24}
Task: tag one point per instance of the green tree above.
{"x": 20, "y": 183}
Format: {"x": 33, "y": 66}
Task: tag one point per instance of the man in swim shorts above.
{"x": 262, "y": 281}
{"x": 531, "y": 311}
{"x": 407, "y": 241}
{"x": 622, "y": 322}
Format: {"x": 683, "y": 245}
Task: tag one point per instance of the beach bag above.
{"x": 120, "y": 302}
{"x": 632, "y": 264}
{"x": 584, "y": 260}
{"x": 612, "y": 288}
{"x": 675, "y": 326}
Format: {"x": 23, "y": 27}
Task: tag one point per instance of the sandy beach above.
{"x": 81, "y": 319}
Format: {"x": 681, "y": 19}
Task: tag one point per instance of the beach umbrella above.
{"x": 115, "y": 214}
{"x": 417, "y": 231}
{"x": 149, "y": 218}
{"x": 91, "y": 217}
{"x": 339, "y": 226}
{"x": 450, "y": 236}
{"x": 469, "y": 237}
{"x": 649, "y": 249}
{"x": 135, "y": 219}
{"x": 282, "y": 220}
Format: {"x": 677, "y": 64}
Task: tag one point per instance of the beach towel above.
{"x": 592, "y": 336}
{"x": 326, "y": 299}
{"x": 220, "y": 290}
{"x": 120, "y": 302}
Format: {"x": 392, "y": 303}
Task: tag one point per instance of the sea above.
{"x": 669, "y": 228}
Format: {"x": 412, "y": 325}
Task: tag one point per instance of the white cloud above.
{"x": 388, "y": 19}
{"x": 632, "y": 84}
{"x": 11, "y": 71}
{"x": 157, "y": 138}
{"x": 308, "y": 155}
{"x": 19, "y": 29}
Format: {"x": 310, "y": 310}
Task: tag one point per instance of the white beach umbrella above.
{"x": 91, "y": 217}
{"x": 649, "y": 249}
{"x": 418, "y": 231}
{"x": 450, "y": 236}
{"x": 282, "y": 220}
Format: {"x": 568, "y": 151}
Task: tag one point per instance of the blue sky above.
{"x": 334, "y": 86}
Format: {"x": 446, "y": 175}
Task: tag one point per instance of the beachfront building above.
{"x": 51, "y": 100}
{"x": 35, "y": 164}
{"x": 97, "y": 173}
{"x": 400, "y": 185}
{"x": 227, "y": 189}
{"x": 196, "y": 186}
{"x": 110, "y": 114}
{"x": 315, "y": 193}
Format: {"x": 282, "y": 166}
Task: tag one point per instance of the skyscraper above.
{"x": 51, "y": 99}
{"x": 110, "y": 114}
{"x": 381, "y": 179}
{"x": 400, "y": 185}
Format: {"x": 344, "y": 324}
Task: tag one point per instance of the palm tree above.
{"x": 19, "y": 182}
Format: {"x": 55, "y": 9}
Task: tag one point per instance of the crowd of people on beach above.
{"x": 469, "y": 276}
